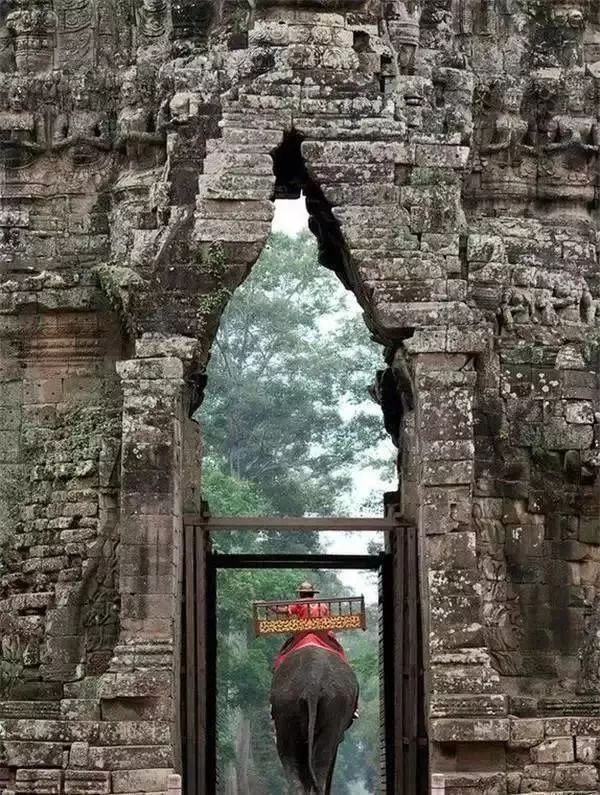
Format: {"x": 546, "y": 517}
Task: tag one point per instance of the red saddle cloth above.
{"x": 323, "y": 640}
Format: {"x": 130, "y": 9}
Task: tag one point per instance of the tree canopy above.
{"x": 288, "y": 383}
{"x": 284, "y": 424}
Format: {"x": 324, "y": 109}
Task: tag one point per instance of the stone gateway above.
{"x": 449, "y": 153}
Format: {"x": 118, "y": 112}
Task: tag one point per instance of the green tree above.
{"x": 284, "y": 424}
{"x": 288, "y": 381}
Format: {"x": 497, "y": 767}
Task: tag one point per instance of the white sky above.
{"x": 291, "y": 218}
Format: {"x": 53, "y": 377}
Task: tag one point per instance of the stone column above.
{"x": 151, "y": 507}
{"x": 462, "y": 681}
{"x": 140, "y": 682}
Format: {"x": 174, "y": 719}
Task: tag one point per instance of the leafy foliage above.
{"x": 287, "y": 357}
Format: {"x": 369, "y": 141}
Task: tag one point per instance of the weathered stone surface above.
{"x": 526, "y": 733}
{"x": 456, "y": 145}
{"x": 472, "y": 730}
{"x": 87, "y": 782}
{"x": 557, "y": 749}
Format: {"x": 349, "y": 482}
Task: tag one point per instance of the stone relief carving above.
{"x": 517, "y": 306}
{"x": 547, "y": 299}
{"x": 151, "y": 21}
{"x": 139, "y": 134}
{"x": 76, "y": 37}
{"x": 502, "y": 618}
{"x": 33, "y": 26}
{"x": 7, "y": 46}
{"x": 570, "y": 142}
{"x": 556, "y": 33}
{"x": 83, "y": 131}
{"x": 510, "y": 133}
{"x": 403, "y": 29}
{"x": 506, "y": 155}
{"x": 23, "y": 133}
{"x": 537, "y": 141}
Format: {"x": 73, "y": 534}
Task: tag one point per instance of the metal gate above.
{"x": 403, "y": 738}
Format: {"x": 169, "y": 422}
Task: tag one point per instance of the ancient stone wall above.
{"x": 449, "y": 153}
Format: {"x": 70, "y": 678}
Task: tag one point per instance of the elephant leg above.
{"x": 292, "y": 750}
{"x": 324, "y": 756}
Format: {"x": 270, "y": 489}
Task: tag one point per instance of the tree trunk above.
{"x": 243, "y": 756}
{"x": 231, "y": 787}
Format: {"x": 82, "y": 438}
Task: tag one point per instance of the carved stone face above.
{"x": 129, "y": 94}
{"x": 512, "y": 100}
{"x": 180, "y": 105}
{"x": 17, "y": 99}
{"x": 569, "y": 15}
{"x": 406, "y": 55}
{"x": 576, "y": 98}
{"x": 81, "y": 99}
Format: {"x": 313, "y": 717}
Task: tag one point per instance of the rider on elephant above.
{"x": 305, "y": 608}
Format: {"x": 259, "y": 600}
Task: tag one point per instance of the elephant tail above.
{"x": 311, "y": 705}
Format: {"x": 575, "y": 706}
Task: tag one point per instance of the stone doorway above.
{"x": 403, "y": 749}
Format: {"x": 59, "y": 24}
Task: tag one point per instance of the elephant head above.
{"x": 313, "y": 697}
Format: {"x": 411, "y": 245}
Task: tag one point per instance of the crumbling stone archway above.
{"x": 457, "y": 146}
{"x": 406, "y": 768}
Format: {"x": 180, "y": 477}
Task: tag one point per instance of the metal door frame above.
{"x": 405, "y": 744}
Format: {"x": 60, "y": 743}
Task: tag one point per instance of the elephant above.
{"x": 314, "y": 694}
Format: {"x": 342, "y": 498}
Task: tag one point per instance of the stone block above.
{"x": 483, "y": 248}
{"x": 450, "y": 706}
{"x": 79, "y": 755}
{"x": 580, "y": 412}
{"x": 525, "y": 733}
{"x": 586, "y": 749}
{"x": 537, "y": 778}
{"x": 32, "y": 710}
{"x": 163, "y": 368}
{"x": 558, "y": 727}
{"x": 576, "y": 777}
{"x": 33, "y": 754}
{"x": 80, "y": 709}
{"x": 151, "y": 731}
{"x": 513, "y": 782}
{"x": 438, "y": 472}
{"x": 149, "y": 780}
{"x": 87, "y": 782}
{"x": 470, "y": 730}
{"x": 586, "y": 726}
{"x": 475, "y": 783}
{"x": 561, "y": 435}
{"x": 589, "y": 530}
{"x": 131, "y": 757}
{"x": 456, "y": 549}
{"x": 139, "y": 684}
{"x": 38, "y": 782}
{"x": 579, "y": 385}
{"x": 554, "y": 751}
{"x": 356, "y": 151}
{"x": 143, "y": 606}
{"x": 447, "y": 636}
